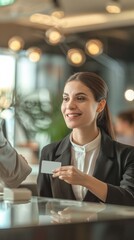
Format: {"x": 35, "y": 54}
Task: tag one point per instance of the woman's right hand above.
{"x": 70, "y": 174}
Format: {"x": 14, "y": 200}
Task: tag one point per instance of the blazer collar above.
{"x": 105, "y": 159}
{"x": 63, "y": 154}
{"x": 106, "y": 145}
{"x": 64, "y": 145}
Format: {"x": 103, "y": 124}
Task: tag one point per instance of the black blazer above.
{"x": 114, "y": 166}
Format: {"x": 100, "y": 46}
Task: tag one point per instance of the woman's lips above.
{"x": 72, "y": 115}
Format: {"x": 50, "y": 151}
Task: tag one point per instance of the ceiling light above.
{"x": 34, "y": 54}
{"x": 129, "y": 95}
{"x": 54, "y": 36}
{"x": 113, "y": 6}
{"x": 76, "y": 56}
{"x": 6, "y": 2}
{"x": 16, "y": 43}
{"x": 94, "y": 47}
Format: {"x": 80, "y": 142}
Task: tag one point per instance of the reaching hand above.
{"x": 5, "y": 102}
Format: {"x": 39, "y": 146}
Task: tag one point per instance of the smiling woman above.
{"x": 78, "y": 100}
{"x": 90, "y": 158}
{"x": 75, "y": 103}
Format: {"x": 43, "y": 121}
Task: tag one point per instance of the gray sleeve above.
{"x": 13, "y": 167}
{"x": 2, "y": 138}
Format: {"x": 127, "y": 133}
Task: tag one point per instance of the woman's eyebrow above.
{"x": 79, "y": 93}
{"x": 65, "y": 94}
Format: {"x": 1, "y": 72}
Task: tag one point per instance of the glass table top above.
{"x": 47, "y": 211}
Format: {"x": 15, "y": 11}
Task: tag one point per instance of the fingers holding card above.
{"x": 49, "y": 166}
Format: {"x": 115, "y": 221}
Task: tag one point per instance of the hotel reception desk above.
{"x": 53, "y": 219}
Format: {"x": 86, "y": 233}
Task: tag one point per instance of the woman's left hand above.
{"x": 70, "y": 174}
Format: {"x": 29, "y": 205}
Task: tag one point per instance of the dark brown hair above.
{"x": 99, "y": 89}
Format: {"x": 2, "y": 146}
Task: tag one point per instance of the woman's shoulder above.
{"x": 123, "y": 145}
{"x": 124, "y": 150}
{"x": 55, "y": 145}
{"x": 115, "y": 146}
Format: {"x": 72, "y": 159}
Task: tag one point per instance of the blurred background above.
{"x": 43, "y": 42}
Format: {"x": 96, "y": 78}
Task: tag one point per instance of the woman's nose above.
{"x": 71, "y": 104}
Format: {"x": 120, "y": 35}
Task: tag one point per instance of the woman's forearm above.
{"x": 97, "y": 187}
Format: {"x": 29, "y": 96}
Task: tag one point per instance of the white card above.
{"x": 49, "y": 166}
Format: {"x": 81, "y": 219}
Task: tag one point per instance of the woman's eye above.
{"x": 80, "y": 98}
{"x": 65, "y": 99}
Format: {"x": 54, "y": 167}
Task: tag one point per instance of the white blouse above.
{"x": 84, "y": 158}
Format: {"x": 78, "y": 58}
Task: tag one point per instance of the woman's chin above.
{"x": 71, "y": 125}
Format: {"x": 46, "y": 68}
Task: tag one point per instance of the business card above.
{"x": 49, "y": 166}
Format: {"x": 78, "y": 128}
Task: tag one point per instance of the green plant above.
{"x": 35, "y": 116}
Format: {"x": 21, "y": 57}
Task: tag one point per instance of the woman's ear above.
{"x": 101, "y": 105}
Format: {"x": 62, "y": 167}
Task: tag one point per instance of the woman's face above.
{"x": 79, "y": 107}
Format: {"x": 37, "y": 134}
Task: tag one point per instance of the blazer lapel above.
{"x": 63, "y": 155}
{"x": 103, "y": 166}
{"x": 104, "y": 163}
{"x": 105, "y": 159}
{"x": 100, "y": 173}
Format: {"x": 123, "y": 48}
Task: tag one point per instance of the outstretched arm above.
{"x": 13, "y": 167}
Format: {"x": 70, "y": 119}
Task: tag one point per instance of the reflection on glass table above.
{"x": 45, "y": 211}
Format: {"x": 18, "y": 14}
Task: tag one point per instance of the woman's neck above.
{"x": 84, "y": 136}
